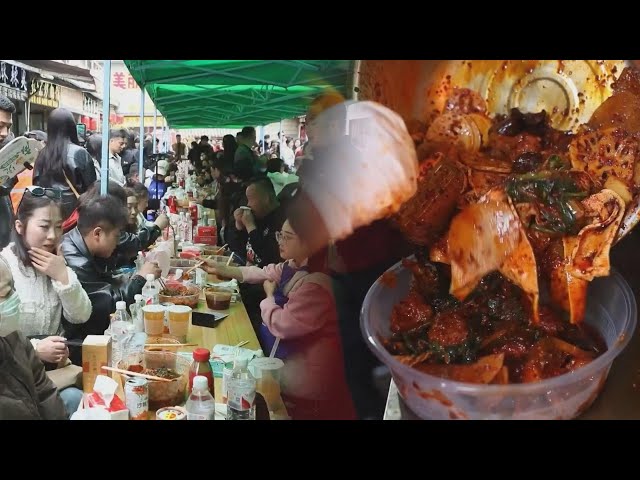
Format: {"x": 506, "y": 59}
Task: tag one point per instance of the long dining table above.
{"x": 235, "y": 329}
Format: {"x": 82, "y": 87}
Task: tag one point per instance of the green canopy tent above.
{"x": 235, "y": 93}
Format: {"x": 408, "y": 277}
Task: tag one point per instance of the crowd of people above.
{"x": 297, "y": 283}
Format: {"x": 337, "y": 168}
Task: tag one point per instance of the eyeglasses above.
{"x": 282, "y": 238}
{"x": 53, "y": 193}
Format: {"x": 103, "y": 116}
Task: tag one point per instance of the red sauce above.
{"x": 389, "y": 279}
{"x": 436, "y": 395}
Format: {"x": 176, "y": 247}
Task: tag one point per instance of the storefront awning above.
{"x": 56, "y": 69}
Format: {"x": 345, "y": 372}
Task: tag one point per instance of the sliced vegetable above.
{"x": 483, "y": 371}
{"x": 480, "y": 239}
{"x": 589, "y": 258}
{"x": 610, "y": 152}
{"x": 618, "y": 186}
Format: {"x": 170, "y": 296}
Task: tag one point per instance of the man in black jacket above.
{"x": 259, "y": 221}
{"x": 130, "y": 154}
{"x": 246, "y": 163}
{"x": 96, "y": 236}
{"x": 256, "y": 226}
{"x": 7, "y": 108}
{"x": 6, "y": 211}
{"x": 203, "y": 148}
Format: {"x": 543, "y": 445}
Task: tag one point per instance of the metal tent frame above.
{"x": 227, "y": 93}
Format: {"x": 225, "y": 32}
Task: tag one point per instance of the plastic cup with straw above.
{"x": 274, "y": 348}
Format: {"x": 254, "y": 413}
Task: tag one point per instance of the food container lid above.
{"x": 201, "y": 355}
{"x": 267, "y": 363}
{"x": 200, "y": 383}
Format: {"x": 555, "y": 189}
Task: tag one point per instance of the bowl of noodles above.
{"x": 165, "y": 365}
{"x": 180, "y": 295}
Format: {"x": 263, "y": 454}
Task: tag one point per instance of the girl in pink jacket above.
{"x": 301, "y": 311}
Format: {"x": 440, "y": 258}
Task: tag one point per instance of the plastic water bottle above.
{"x": 150, "y": 291}
{"x": 185, "y": 228}
{"x": 201, "y": 404}
{"x": 241, "y": 392}
{"x": 120, "y": 323}
{"x": 137, "y": 314}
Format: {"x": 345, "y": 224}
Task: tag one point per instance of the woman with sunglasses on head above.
{"x": 300, "y": 310}
{"x": 47, "y": 288}
{"x": 63, "y": 163}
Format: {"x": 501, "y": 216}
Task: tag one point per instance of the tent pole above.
{"x": 106, "y": 101}
{"x": 155, "y": 125}
{"x": 141, "y": 143}
{"x": 27, "y": 114}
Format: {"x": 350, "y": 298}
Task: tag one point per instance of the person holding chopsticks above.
{"x": 299, "y": 310}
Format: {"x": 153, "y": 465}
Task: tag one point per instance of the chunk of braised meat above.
{"x": 425, "y": 278}
{"x": 556, "y": 141}
{"x": 527, "y": 162}
{"x": 551, "y": 357}
{"x": 449, "y": 329}
{"x": 585, "y": 337}
{"x": 550, "y": 323}
{"x": 549, "y": 257}
{"x": 502, "y": 147}
{"x": 395, "y": 346}
{"x": 410, "y": 313}
{"x": 513, "y": 340}
{"x": 429, "y": 279}
{"x": 517, "y": 122}
{"x": 426, "y": 216}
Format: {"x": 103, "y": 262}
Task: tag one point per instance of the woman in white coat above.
{"x": 47, "y": 288}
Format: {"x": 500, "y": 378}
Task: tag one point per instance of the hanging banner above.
{"x": 13, "y": 81}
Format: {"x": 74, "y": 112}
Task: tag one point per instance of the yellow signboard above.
{"x": 44, "y": 93}
{"x": 133, "y": 121}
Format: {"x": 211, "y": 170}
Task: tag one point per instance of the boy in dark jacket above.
{"x": 96, "y": 236}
